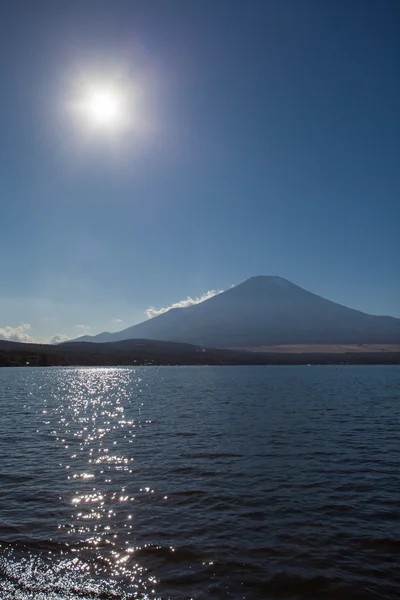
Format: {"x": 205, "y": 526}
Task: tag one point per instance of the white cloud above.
{"x": 58, "y": 338}
{"x": 84, "y": 328}
{"x": 16, "y": 334}
{"x": 116, "y": 321}
{"x": 154, "y": 312}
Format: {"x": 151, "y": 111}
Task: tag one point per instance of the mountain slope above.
{"x": 263, "y": 311}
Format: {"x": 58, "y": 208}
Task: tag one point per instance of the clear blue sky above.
{"x": 266, "y": 141}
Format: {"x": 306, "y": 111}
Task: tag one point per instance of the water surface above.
{"x": 199, "y": 482}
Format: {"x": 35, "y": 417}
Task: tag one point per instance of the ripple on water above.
{"x": 199, "y": 483}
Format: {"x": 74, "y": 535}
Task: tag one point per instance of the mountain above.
{"x": 263, "y": 311}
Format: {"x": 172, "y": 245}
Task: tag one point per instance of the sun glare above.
{"x": 104, "y": 107}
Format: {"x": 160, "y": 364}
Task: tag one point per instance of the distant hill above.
{"x": 126, "y": 352}
{"x": 263, "y": 311}
{"x": 151, "y": 352}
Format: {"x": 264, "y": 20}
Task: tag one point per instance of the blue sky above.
{"x": 264, "y": 139}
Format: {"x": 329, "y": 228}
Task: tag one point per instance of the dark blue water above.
{"x": 200, "y": 482}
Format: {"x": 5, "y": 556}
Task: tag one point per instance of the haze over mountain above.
{"x": 262, "y": 311}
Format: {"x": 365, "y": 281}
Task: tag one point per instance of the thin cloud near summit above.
{"x": 57, "y": 338}
{"x": 155, "y": 312}
{"x": 84, "y": 328}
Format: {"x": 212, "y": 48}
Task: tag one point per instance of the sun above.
{"x": 104, "y": 107}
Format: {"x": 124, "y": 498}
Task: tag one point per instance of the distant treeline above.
{"x": 147, "y": 352}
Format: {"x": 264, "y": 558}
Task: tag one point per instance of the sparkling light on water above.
{"x": 167, "y": 483}
{"x": 92, "y": 435}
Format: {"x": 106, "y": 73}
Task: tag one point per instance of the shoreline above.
{"x": 159, "y": 353}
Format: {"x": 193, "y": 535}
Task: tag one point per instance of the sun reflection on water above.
{"x": 102, "y": 491}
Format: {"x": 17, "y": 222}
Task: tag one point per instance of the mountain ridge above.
{"x": 138, "y": 352}
{"x": 261, "y": 311}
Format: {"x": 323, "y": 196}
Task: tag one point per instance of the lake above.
{"x": 200, "y": 483}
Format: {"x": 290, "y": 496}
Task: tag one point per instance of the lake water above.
{"x": 200, "y": 482}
